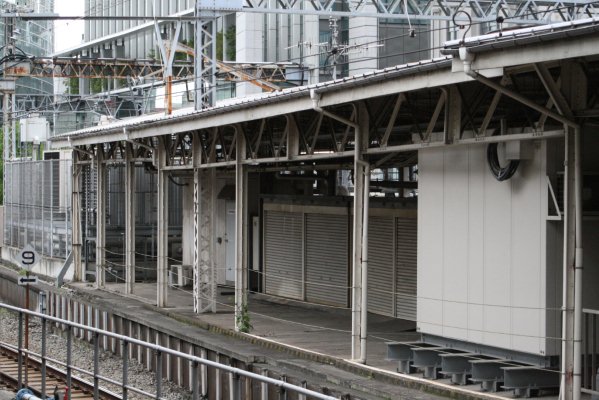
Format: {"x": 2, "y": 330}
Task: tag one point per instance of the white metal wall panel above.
{"x": 406, "y": 279}
{"x": 482, "y": 250}
{"x": 381, "y": 271}
{"x": 327, "y": 259}
{"x": 283, "y": 253}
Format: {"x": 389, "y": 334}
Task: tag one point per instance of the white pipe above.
{"x": 578, "y": 268}
{"x": 364, "y": 307}
{"x": 564, "y": 366}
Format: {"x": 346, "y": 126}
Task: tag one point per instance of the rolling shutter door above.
{"x": 380, "y": 265}
{"x": 283, "y": 237}
{"x": 327, "y": 259}
{"x": 406, "y": 268}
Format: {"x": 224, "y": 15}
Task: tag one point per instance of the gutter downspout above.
{"x": 467, "y": 58}
{"x": 578, "y": 268}
{"x": 364, "y": 259}
{"x": 359, "y": 164}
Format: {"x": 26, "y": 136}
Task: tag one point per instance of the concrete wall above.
{"x": 482, "y": 249}
{"x": 46, "y": 266}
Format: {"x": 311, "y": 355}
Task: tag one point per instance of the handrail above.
{"x": 160, "y": 350}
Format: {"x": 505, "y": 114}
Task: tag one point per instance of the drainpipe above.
{"x": 358, "y": 164}
{"x": 467, "y": 59}
{"x": 364, "y": 259}
{"x": 578, "y": 268}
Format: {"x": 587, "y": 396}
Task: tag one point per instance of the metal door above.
{"x": 405, "y": 285}
{"x": 381, "y": 270}
{"x": 327, "y": 259}
{"x": 283, "y": 254}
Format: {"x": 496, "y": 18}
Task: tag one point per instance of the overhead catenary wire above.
{"x": 378, "y": 57}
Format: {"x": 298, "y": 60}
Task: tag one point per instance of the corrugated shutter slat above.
{"x": 283, "y": 254}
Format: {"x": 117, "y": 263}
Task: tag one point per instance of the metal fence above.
{"x": 37, "y": 201}
{"x": 237, "y": 376}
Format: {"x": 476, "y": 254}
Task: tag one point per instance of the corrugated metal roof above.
{"x": 261, "y": 99}
{"x": 525, "y": 36}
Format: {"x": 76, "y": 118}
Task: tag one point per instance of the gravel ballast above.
{"x": 82, "y": 357}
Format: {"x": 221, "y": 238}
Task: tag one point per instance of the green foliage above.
{"x": 97, "y": 85}
{"x": 72, "y": 85}
{"x": 243, "y": 320}
{"x": 229, "y": 37}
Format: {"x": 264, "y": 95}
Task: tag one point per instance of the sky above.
{"x": 68, "y": 33}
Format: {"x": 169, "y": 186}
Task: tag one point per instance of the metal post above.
{"x": 302, "y": 396}
{"x": 162, "y": 267}
{"x": 264, "y": 386}
{"x": 79, "y": 272}
{"x": 235, "y": 380}
{"x": 204, "y": 372}
{"x": 69, "y": 360}
{"x": 20, "y": 351}
{"x": 357, "y": 246}
{"x": 240, "y": 231}
{"x": 129, "y": 221}
{"x": 26, "y": 345}
{"x": 158, "y": 374}
{"x": 43, "y": 371}
{"x": 195, "y": 382}
{"x": 282, "y": 391}
{"x": 125, "y": 356}
{"x": 96, "y": 365}
{"x": 100, "y": 218}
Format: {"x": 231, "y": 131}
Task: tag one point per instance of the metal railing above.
{"x": 590, "y": 359}
{"x": 235, "y": 374}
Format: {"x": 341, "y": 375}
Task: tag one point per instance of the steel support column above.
{"x": 204, "y": 65}
{"x": 204, "y": 283}
{"x": 574, "y": 88}
{"x": 129, "y": 221}
{"x": 162, "y": 234}
{"x": 240, "y": 231}
{"x": 361, "y": 133}
{"x": 78, "y": 272}
{"x": 100, "y": 218}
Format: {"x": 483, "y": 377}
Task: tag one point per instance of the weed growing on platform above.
{"x": 243, "y": 320}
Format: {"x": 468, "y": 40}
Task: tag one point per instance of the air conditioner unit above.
{"x": 180, "y": 275}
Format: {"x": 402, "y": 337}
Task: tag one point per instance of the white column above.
{"x": 162, "y": 234}
{"x": 359, "y": 320}
{"x": 250, "y": 46}
{"x": 363, "y": 30}
{"x": 240, "y": 231}
{"x": 129, "y": 221}
{"x": 100, "y": 218}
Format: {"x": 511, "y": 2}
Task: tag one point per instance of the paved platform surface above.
{"x": 289, "y": 328}
{"x": 5, "y": 395}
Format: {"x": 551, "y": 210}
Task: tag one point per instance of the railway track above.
{"x": 55, "y": 377}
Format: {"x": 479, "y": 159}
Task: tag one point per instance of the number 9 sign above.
{"x": 28, "y": 257}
